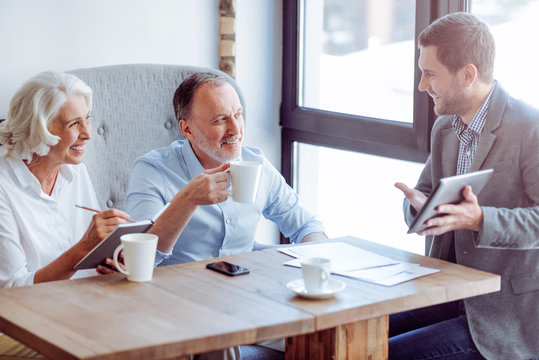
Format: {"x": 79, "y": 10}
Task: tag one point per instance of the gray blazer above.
{"x": 503, "y": 325}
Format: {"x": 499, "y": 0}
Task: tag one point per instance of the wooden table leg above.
{"x": 365, "y": 339}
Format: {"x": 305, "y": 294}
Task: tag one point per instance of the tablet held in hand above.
{"x": 449, "y": 191}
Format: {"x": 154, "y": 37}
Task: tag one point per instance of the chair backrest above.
{"x": 132, "y": 114}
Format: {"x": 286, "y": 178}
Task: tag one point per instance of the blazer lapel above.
{"x": 493, "y": 121}
{"x": 485, "y": 144}
{"x": 450, "y": 151}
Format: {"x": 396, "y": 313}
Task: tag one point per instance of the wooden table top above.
{"x": 188, "y": 309}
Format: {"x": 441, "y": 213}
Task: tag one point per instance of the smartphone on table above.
{"x": 227, "y": 268}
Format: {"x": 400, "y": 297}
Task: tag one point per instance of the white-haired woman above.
{"x": 42, "y": 234}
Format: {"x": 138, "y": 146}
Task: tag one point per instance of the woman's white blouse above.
{"x": 36, "y": 228}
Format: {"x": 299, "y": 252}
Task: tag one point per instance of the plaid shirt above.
{"x": 469, "y": 135}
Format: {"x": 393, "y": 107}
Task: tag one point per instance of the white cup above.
{"x": 245, "y": 176}
{"x": 139, "y": 256}
{"x": 316, "y": 272}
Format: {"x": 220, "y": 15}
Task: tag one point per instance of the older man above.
{"x": 202, "y": 221}
{"x": 479, "y": 126}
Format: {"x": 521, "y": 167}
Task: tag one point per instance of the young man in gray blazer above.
{"x": 479, "y": 127}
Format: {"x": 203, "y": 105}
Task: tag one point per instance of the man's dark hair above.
{"x": 183, "y": 97}
{"x": 462, "y": 39}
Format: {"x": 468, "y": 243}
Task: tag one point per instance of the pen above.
{"x": 96, "y": 211}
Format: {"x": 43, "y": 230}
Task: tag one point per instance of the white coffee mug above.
{"x": 316, "y": 272}
{"x": 139, "y": 256}
{"x": 245, "y": 176}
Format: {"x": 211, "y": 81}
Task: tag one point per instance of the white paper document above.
{"x": 351, "y": 261}
{"x": 344, "y": 257}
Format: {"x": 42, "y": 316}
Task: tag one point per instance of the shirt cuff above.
{"x": 160, "y": 256}
{"x": 313, "y": 226}
{"x": 22, "y": 280}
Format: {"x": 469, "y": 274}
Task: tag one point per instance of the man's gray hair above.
{"x": 33, "y": 108}
{"x": 183, "y": 97}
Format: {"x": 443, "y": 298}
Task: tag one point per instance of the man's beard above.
{"x": 217, "y": 153}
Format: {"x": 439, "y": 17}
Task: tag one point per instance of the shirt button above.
{"x": 228, "y": 220}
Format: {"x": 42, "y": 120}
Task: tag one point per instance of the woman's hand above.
{"x": 108, "y": 266}
{"x": 101, "y": 225}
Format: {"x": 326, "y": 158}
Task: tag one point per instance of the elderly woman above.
{"x": 42, "y": 234}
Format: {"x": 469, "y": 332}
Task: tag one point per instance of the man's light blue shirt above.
{"x": 214, "y": 230}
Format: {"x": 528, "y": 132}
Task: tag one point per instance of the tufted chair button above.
{"x": 100, "y": 130}
{"x": 168, "y": 124}
{"x": 110, "y": 203}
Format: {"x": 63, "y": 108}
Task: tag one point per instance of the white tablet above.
{"x": 449, "y": 191}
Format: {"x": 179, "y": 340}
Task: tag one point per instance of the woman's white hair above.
{"x": 32, "y": 109}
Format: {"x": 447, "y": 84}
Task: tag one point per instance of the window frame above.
{"x": 374, "y": 136}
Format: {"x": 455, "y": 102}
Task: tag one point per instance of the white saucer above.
{"x": 334, "y": 286}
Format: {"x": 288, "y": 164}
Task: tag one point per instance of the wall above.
{"x": 38, "y": 35}
{"x": 259, "y": 72}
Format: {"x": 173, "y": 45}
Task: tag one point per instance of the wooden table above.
{"x": 187, "y": 309}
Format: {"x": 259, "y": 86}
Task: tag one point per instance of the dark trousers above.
{"x": 436, "y": 332}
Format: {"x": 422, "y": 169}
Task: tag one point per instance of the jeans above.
{"x": 436, "y": 332}
{"x": 258, "y": 352}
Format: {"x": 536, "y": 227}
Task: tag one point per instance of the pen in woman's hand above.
{"x": 96, "y": 211}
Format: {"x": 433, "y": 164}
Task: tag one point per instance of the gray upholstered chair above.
{"x": 132, "y": 114}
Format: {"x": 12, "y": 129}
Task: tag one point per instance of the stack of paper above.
{"x": 351, "y": 261}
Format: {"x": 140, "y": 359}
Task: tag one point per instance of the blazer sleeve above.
{"x": 517, "y": 228}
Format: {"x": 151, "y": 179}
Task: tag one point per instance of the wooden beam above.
{"x": 227, "y": 37}
{"x": 370, "y": 342}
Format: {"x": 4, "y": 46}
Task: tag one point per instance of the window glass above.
{"x": 357, "y": 57}
{"x": 354, "y": 194}
{"x": 514, "y": 26}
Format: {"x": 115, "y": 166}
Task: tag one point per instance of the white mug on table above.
{"x": 316, "y": 272}
{"x": 245, "y": 176}
{"x": 139, "y": 256}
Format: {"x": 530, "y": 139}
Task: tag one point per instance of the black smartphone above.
{"x": 227, "y": 268}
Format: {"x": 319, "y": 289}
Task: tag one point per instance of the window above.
{"x": 516, "y": 64}
{"x": 358, "y": 56}
{"x": 353, "y": 119}
{"x": 361, "y": 187}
